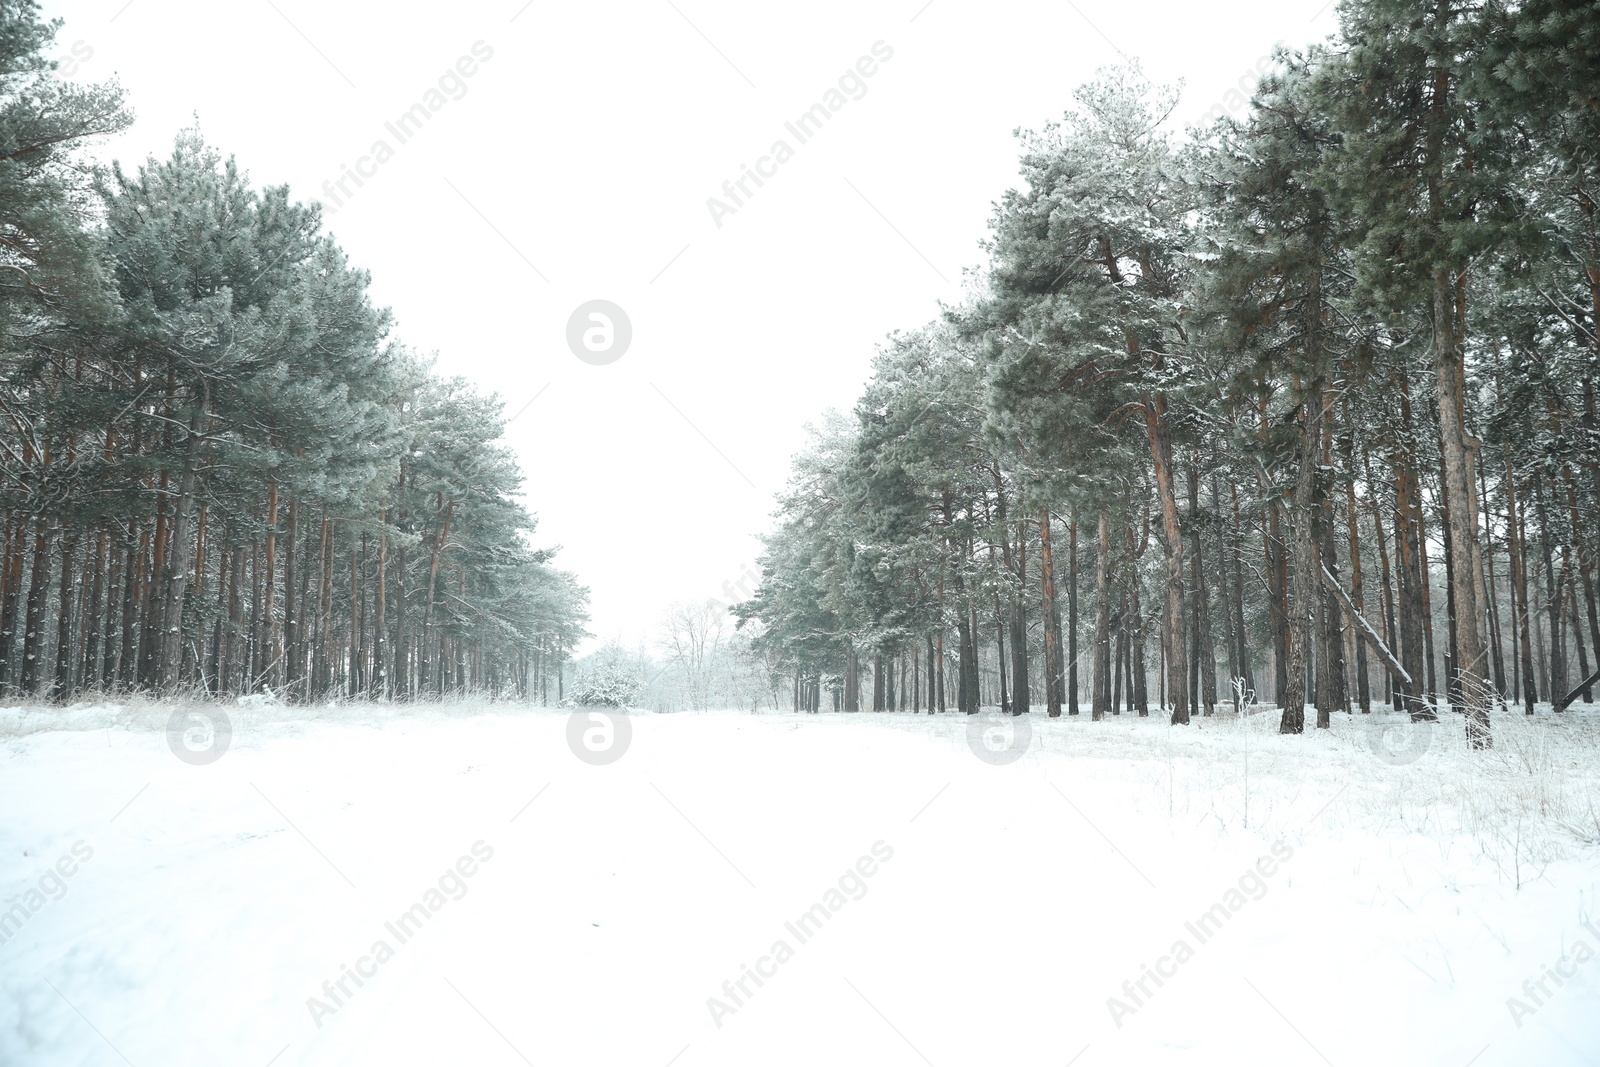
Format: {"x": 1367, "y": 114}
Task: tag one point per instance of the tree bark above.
{"x": 1101, "y": 675}
{"x": 1052, "y": 651}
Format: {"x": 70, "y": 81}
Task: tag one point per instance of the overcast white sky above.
{"x": 577, "y": 166}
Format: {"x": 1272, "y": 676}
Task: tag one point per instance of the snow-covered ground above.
{"x": 1308, "y": 900}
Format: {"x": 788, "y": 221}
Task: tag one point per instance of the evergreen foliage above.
{"x": 219, "y": 471}
{"x": 1335, "y": 361}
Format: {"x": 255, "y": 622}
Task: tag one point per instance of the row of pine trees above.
{"x": 219, "y": 473}
{"x": 1300, "y": 405}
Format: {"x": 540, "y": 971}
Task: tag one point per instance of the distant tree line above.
{"x": 1304, "y": 400}
{"x": 218, "y": 470}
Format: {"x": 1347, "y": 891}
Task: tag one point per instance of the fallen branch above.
{"x": 1364, "y": 628}
{"x": 1567, "y": 700}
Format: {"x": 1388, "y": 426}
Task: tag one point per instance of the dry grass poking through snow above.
{"x": 1532, "y": 799}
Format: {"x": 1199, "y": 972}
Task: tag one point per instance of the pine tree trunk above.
{"x": 1276, "y": 551}
{"x": 38, "y": 593}
{"x": 117, "y": 551}
{"x": 16, "y": 528}
{"x": 119, "y": 672}
{"x": 1070, "y": 685}
{"x": 1391, "y": 693}
{"x": 325, "y": 632}
{"x": 1357, "y": 587}
{"x": 61, "y": 685}
{"x": 1100, "y": 703}
{"x": 194, "y": 649}
{"x": 272, "y": 631}
{"x": 1425, "y": 568}
{"x": 1141, "y": 692}
{"x": 1333, "y": 691}
{"x": 293, "y": 603}
{"x": 1307, "y": 592}
{"x": 152, "y": 570}
{"x": 1519, "y": 592}
{"x": 1021, "y": 690}
{"x": 1460, "y": 455}
{"x": 1052, "y": 650}
{"x": 234, "y": 644}
{"x": 176, "y": 579}
{"x": 93, "y": 616}
{"x": 1553, "y": 587}
{"x": 400, "y": 676}
{"x": 1000, "y": 657}
{"x": 380, "y": 651}
{"x": 358, "y": 624}
{"x": 1412, "y": 605}
{"x": 1246, "y": 663}
{"x": 1224, "y": 546}
{"x": 1177, "y": 667}
{"x": 257, "y": 624}
{"x": 1204, "y": 648}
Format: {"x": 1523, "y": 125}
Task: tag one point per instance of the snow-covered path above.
{"x": 1360, "y": 911}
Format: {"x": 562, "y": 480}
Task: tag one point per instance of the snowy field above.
{"x": 453, "y": 885}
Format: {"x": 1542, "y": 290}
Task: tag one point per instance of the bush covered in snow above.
{"x": 608, "y": 693}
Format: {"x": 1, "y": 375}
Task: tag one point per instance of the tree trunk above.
{"x": 1357, "y": 587}
{"x": 380, "y": 633}
{"x": 1408, "y": 551}
{"x": 1177, "y": 667}
{"x": 176, "y": 580}
{"x": 1052, "y": 651}
{"x": 1460, "y": 454}
{"x": 1519, "y": 586}
{"x": 38, "y": 594}
{"x": 1204, "y": 646}
{"x": 1306, "y": 596}
{"x": 1021, "y": 691}
{"x": 61, "y": 686}
{"x": 1100, "y": 704}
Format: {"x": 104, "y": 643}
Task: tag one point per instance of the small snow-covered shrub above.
{"x": 604, "y": 693}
